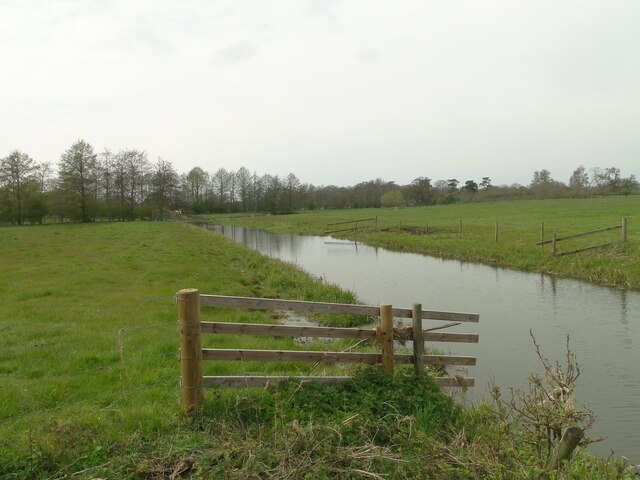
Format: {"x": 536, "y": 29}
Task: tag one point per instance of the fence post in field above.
{"x": 386, "y": 340}
{"x": 496, "y": 231}
{"x": 553, "y": 244}
{"x": 542, "y": 232}
{"x": 192, "y": 391}
{"x": 624, "y": 229}
{"x": 418, "y": 340}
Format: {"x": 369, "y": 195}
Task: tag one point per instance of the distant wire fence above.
{"x": 460, "y": 229}
{"x": 555, "y": 239}
{"x": 352, "y": 225}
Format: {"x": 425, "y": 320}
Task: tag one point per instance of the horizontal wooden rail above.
{"x": 192, "y": 354}
{"x": 602, "y": 245}
{"x": 546, "y": 242}
{"x": 261, "y": 381}
{"x": 324, "y": 332}
{"x": 323, "y": 307}
{"x": 352, "y": 221}
{"x": 319, "y": 356}
{"x": 349, "y": 229}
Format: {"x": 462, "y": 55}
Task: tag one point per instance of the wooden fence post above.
{"x": 386, "y": 327}
{"x": 192, "y": 391}
{"x": 542, "y": 232}
{"x": 624, "y": 229}
{"x": 496, "y": 231}
{"x": 418, "y": 340}
{"x": 553, "y": 244}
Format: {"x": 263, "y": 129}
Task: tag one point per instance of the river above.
{"x": 603, "y": 324}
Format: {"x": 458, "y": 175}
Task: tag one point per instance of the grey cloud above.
{"x": 322, "y": 5}
{"x": 236, "y": 52}
{"x": 367, "y": 56}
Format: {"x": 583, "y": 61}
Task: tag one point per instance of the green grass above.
{"x": 89, "y": 374}
{"x": 88, "y": 327}
{"x": 519, "y": 226}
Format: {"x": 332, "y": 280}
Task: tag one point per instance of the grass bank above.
{"x": 88, "y": 375}
{"x": 436, "y": 230}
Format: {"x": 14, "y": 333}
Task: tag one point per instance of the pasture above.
{"x": 89, "y": 374}
{"x": 435, "y": 230}
{"x": 89, "y": 340}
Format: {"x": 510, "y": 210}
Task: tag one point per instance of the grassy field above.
{"x": 435, "y": 230}
{"x": 89, "y": 369}
{"x": 88, "y": 338}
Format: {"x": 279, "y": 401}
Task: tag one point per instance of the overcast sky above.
{"x": 337, "y": 92}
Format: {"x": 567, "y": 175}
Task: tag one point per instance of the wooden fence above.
{"x": 193, "y": 382}
{"x": 555, "y": 239}
{"x": 353, "y": 225}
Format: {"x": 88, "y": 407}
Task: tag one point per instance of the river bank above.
{"x": 88, "y": 375}
{"x": 468, "y": 232}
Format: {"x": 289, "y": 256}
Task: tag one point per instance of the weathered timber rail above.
{"x": 368, "y": 223}
{"x": 555, "y": 239}
{"x": 192, "y": 355}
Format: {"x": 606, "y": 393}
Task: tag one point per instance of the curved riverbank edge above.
{"x": 616, "y": 266}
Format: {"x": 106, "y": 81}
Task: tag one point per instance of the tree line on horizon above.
{"x": 126, "y": 185}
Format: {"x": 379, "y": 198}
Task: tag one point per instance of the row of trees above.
{"x": 126, "y": 185}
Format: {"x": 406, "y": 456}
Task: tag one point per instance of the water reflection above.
{"x": 599, "y": 321}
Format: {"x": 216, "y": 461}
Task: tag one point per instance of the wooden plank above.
{"x": 580, "y": 234}
{"x": 352, "y": 221}
{"x": 320, "y": 356}
{"x": 323, "y": 332}
{"x": 290, "y": 305}
{"x": 262, "y": 381}
{"x": 323, "y": 307}
{"x": 286, "y": 330}
{"x": 587, "y": 248}
{"x": 451, "y": 337}
{"x": 433, "y": 315}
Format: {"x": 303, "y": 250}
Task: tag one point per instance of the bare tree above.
{"x": 292, "y": 185}
{"x": 106, "y": 177}
{"x": 196, "y": 184}
{"x": 78, "y": 174}
{"x": 220, "y": 182}
{"x": 243, "y": 180}
{"x": 164, "y": 187}
{"x": 16, "y": 171}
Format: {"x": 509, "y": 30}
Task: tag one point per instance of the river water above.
{"x": 603, "y": 323}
